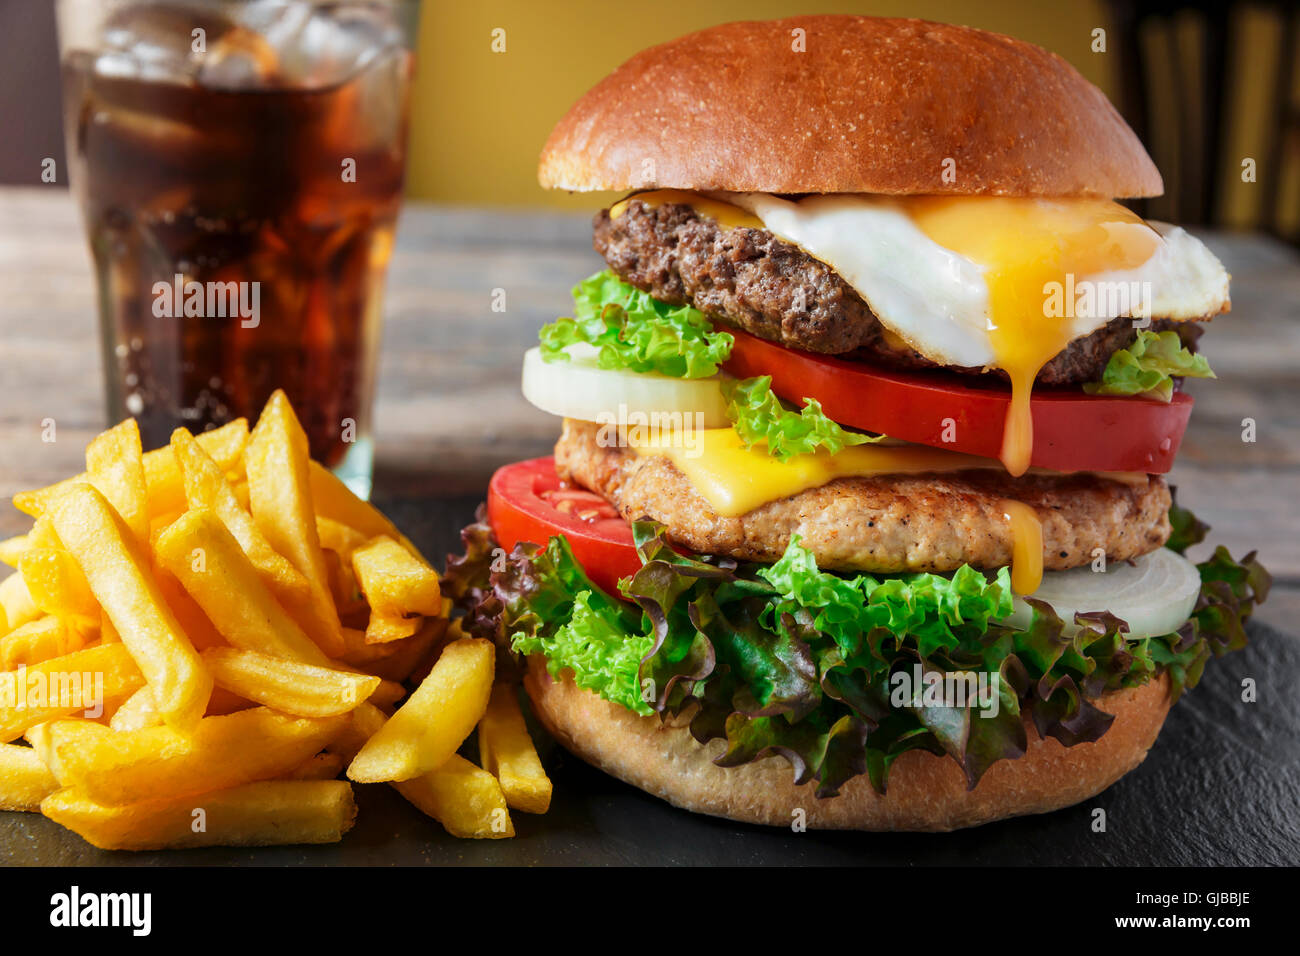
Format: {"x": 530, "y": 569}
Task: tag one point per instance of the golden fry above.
{"x": 162, "y": 474}
{"x": 363, "y": 722}
{"x": 337, "y": 537}
{"x": 115, "y": 466}
{"x": 136, "y": 713}
{"x": 56, "y": 584}
{"x": 290, "y": 687}
{"x": 387, "y": 694}
{"x": 194, "y": 622}
{"x": 385, "y": 630}
{"x": 120, "y": 578}
{"x": 163, "y": 488}
{"x": 434, "y": 721}
{"x": 254, "y": 744}
{"x": 269, "y": 813}
{"x": 81, "y": 681}
{"x": 41, "y": 737}
{"x": 394, "y": 581}
{"x": 467, "y": 801}
{"x": 16, "y": 604}
{"x": 280, "y": 494}
{"x": 334, "y": 500}
{"x": 206, "y": 487}
{"x": 11, "y": 549}
{"x": 24, "y": 779}
{"x": 506, "y": 751}
{"x": 39, "y": 640}
{"x": 214, "y": 570}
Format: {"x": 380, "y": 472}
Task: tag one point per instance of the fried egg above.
{"x": 999, "y": 282}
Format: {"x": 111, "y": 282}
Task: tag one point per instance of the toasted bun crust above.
{"x": 871, "y": 105}
{"x": 925, "y": 792}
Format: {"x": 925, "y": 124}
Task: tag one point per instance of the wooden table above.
{"x": 449, "y": 409}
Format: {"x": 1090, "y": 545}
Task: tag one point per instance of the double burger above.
{"x": 858, "y": 517}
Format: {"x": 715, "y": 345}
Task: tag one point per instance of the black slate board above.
{"x": 1220, "y": 787}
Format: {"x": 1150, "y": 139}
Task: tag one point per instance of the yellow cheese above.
{"x": 723, "y": 212}
{"x": 735, "y": 480}
{"x": 1026, "y": 547}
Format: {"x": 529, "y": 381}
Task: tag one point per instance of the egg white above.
{"x": 937, "y": 300}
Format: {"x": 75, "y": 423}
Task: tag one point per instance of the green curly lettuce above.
{"x": 1148, "y": 367}
{"x": 760, "y": 418}
{"x": 634, "y": 331}
{"x": 793, "y": 660}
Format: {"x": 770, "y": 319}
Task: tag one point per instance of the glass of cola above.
{"x": 239, "y": 166}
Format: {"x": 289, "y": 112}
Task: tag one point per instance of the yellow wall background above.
{"x": 479, "y": 118}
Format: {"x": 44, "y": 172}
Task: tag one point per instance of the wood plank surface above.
{"x": 448, "y": 409}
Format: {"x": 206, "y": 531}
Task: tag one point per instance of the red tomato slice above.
{"x": 1072, "y": 431}
{"x": 528, "y": 502}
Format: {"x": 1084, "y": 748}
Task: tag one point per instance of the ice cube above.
{"x": 332, "y": 44}
{"x": 241, "y": 59}
{"x": 158, "y": 41}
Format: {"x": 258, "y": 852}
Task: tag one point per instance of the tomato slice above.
{"x": 1073, "y": 431}
{"x": 528, "y": 502}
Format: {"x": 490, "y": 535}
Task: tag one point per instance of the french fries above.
{"x": 280, "y": 494}
{"x": 38, "y": 641}
{"x": 16, "y": 604}
{"x": 394, "y": 581}
{"x": 254, "y": 814}
{"x": 208, "y": 562}
{"x": 115, "y": 466}
{"x": 56, "y": 584}
{"x": 434, "y": 721}
{"x": 130, "y": 767}
{"x": 288, "y": 686}
{"x": 467, "y": 801}
{"x": 83, "y": 681}
{"x": 199, "y": 641}
{"x": 206, "y": 487}
{"x": 24, "y": 779}
{"x": 136, "y": 712}
{"x": 384, "y": 630}
{"x": 163, "y": 485}
{"x": 11, "y": 549}
{"x": 508, "y": 754}
{"x": 119, "y": 577}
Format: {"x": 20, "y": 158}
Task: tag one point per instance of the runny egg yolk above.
{"x": 1025, "y": 245}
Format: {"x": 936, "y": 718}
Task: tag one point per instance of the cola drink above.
{"x": 240, "y": 169}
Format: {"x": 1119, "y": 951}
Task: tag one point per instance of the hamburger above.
{"x": 857, "y": 518}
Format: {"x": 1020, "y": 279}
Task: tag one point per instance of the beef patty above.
{"x": 751, "y": 279}
{"x": 887, "y": 523}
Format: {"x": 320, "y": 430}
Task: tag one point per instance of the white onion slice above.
{"x": 1154, "y": 595}
{"x": 579, "y": 389}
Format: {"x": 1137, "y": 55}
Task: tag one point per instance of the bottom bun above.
{"x": 925, "y": 792}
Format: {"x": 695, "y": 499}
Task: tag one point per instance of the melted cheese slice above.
{"x": 725, "y": 213}
{"x": 735, "y": 480}
{"x": 1026, "y": 546}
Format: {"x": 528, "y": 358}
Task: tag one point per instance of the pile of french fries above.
{"x": 199, "y": 644}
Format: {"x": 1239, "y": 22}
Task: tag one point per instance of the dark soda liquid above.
{"x": 242, "y": 185}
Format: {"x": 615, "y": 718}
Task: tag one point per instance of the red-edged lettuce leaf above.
{"x": 792, "y": 660}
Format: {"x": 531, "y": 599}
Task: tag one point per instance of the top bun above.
{"x": 850, "y": 105}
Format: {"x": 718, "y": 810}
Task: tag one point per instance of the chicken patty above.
{"x": 881, "y": 524}
{"x": 751, "y": 279}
